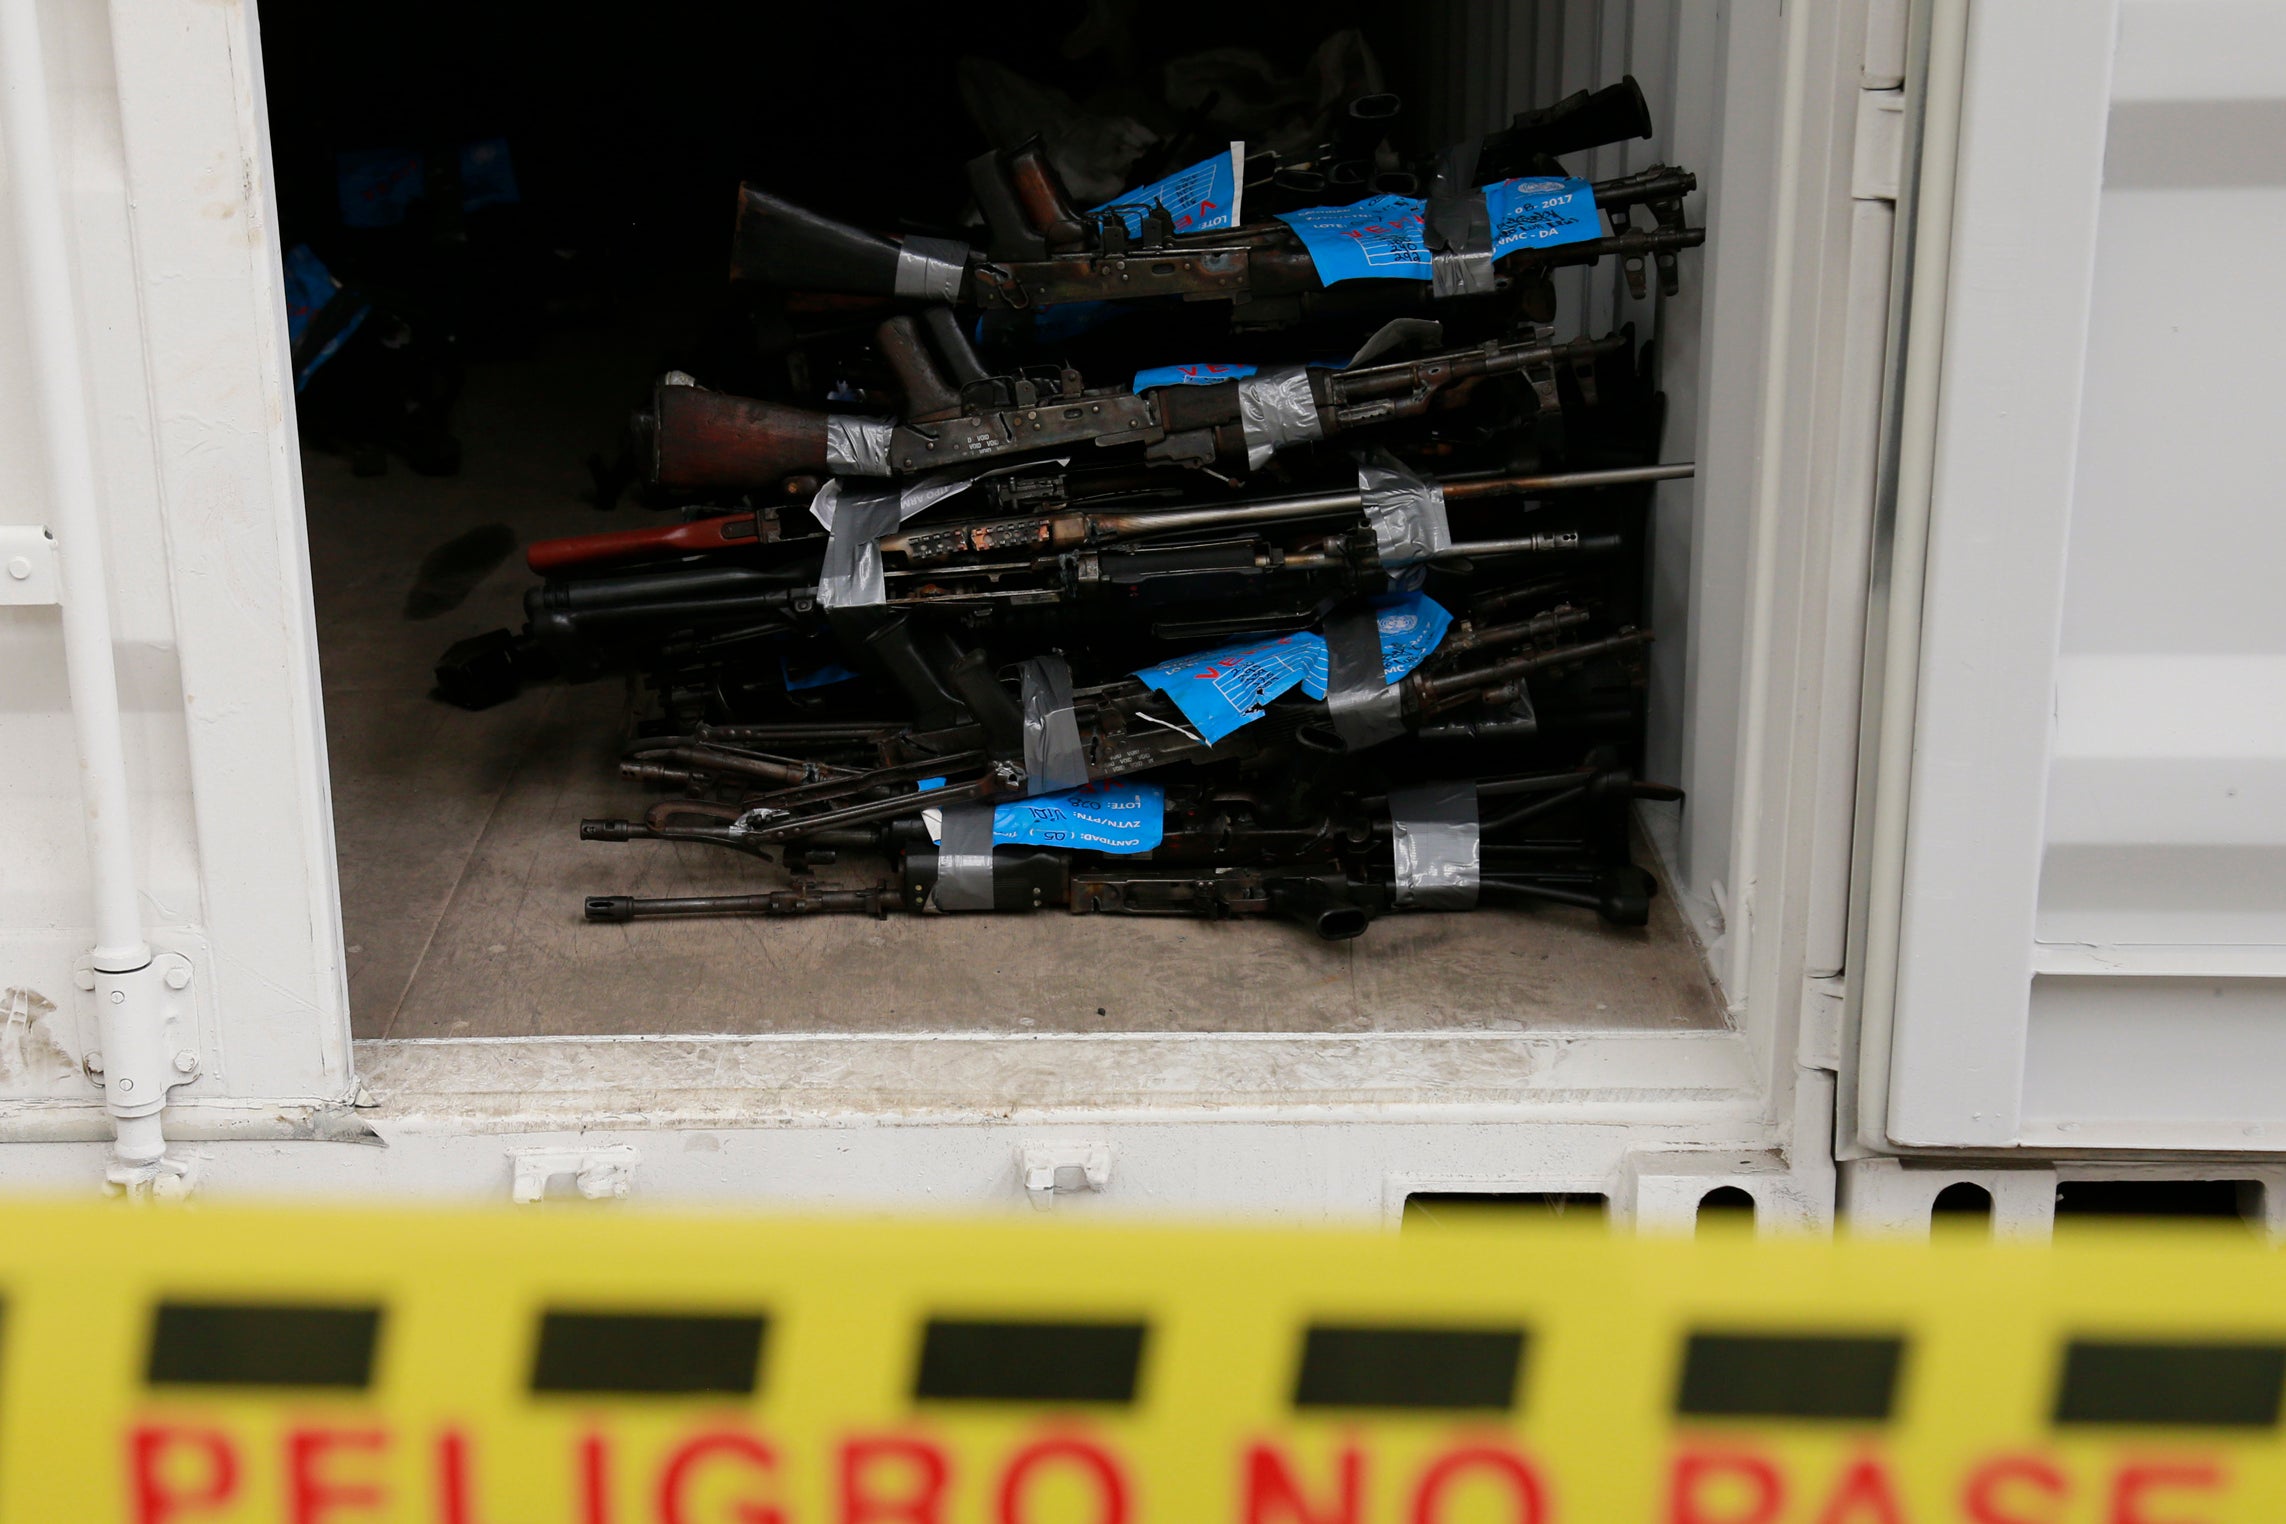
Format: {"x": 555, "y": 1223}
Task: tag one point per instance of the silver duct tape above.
{"x": 1053, "y": 757}
{"x": 931, "y": 268}
{"x": 1366, "y": 709}
{"x": 964, "y": 858}
{"x": 857, "y": 446}
{"x": 1433, "y": 833}
{"x": 1460, "y": 243}
{"x": 1407, "y": 513}
{"x": 855, "y": 518}
{"x": 1275, "y": 409}
{"x": 1467, "y": 274}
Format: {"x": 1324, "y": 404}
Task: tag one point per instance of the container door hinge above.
{"x": 1878, "y": 165}
{"x": 1053, "y": 1169}
{"x": 1819, "y": 1044}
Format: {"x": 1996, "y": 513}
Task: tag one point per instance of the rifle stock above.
{"x": 781, "y": 244}
{"x": 702, "y": 438}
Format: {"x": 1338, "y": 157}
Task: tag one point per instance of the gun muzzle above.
{"x": 1586, "y": 119}
{"x": 1364, "y": 124}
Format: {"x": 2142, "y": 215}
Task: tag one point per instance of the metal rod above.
{"x": 1099, "y": 528}
{"x": 896, "y": 808}
{"x": 135, "y": 1065}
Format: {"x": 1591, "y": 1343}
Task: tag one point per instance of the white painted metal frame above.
{"x": 163, "y": 150}
{"x": 2034, "y": 103}
{"x": 1207, "y": 1122}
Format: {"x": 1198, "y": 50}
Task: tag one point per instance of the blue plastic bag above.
{"x": 377, "y": 185}
{"x": 487, "y": 175}
{"x": 310, "y": 289}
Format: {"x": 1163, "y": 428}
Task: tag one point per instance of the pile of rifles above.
{"x": 1330, "y": 612}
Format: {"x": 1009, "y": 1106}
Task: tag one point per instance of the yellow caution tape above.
{"x": 606, "y": 1367}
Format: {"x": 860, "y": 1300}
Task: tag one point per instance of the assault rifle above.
{"x": 1043, "y": 253}
{"x": 762, "y": 531}
{"x": 1334, "y": 904}
{"x": 1265, "y": 577}
{"x": 704, "y": 438}
{"x": 1155, "y": 559}
{"x": 1218, "y": 859}
{"x": 1122, "y": 728}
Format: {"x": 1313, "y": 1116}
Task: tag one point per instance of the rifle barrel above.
{"x": 1098, "y": 528}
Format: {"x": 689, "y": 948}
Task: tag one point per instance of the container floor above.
{"x": 462, "y": 874}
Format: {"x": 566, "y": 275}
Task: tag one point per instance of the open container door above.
{"x": 2075, "y": 855}
{"x": 158, "y": 140}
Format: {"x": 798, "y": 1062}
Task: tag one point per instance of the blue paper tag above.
{"x": 1379, "y": 236}
{"x": 1222, "y": 689}
{"x": 1187, "y": 375}
{"x": 1200, "y": 199}
{"x": 1411, "y": 625}
{"x": 1541, "y": 212}
{"x": 1114, "y": 816}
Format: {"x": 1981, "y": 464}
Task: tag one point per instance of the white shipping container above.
{"x": 1967, "y": 660}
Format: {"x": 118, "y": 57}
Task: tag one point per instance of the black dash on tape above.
{"x": 648, "y": 1352}
{"x": 1789, "y": 1376}
{"x": 2192, "y": 1385}
{"x": 263, "y": 1344}
{"x": 1381, "y": 1367}
{"x": 1029, "y": 1362}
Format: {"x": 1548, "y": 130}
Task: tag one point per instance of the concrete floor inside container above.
{"x": 462, "y": 872}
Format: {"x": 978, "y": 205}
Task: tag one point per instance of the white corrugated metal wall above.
{"x": 1505, "y": 56}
